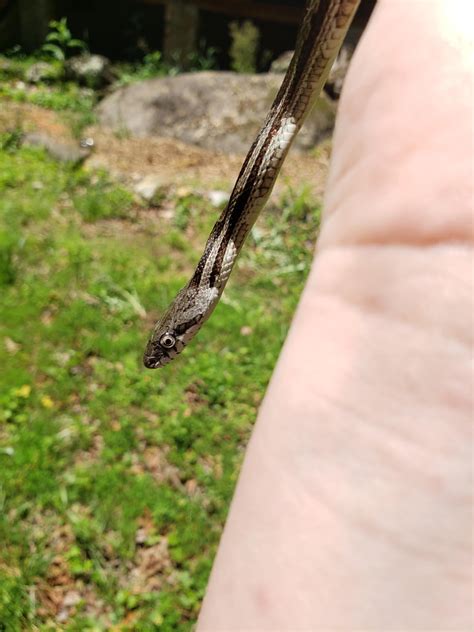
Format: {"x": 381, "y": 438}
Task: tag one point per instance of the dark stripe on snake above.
{"x": 237, "y": 205}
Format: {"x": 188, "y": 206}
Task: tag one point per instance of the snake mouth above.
{"x": 156, "y": 360}
{"x": 152, "y": 362}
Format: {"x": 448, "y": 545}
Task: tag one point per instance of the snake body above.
{"x": 322, "y": 31}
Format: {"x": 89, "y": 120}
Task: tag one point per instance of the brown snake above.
{"x": 322, "y": 31}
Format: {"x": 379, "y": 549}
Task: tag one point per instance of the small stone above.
{"x": 41, "y": 71}
{"x": 71, "y": 598}
{"x": 149, "y": 188}
{"x": 62, "y": 616}
{"x": 191, "y": 486}
{"x": 59, "y": 150}
{"x": 90, "y": 70}
{"x": 182, "y": 192}
{"x": 140, "y": 536}
{"x": 281, "y": 63}
{"x": 7, "y": 67}
{"x": 11, "y": 346}
{"x": 218, "y": 198}
{"x": 62, "y": 357}
{"x": 87, "y": 143}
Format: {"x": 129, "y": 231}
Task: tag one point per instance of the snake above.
{"x": 321, "y": 33}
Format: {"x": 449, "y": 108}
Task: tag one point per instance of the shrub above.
{"x": 59, "y": 41}
{"x": 244, "y": 47}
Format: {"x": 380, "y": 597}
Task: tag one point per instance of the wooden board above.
{"x": 267, "y": 11}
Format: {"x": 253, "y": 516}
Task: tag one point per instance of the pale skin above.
{"x": 352, "y": 511}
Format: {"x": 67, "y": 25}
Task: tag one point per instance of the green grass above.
{"x": 74, "y": 102}
{"x": 115, "y": 481}
{"x": 55, "y": 94}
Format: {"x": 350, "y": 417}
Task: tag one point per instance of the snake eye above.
{"x": 167, "y": 341}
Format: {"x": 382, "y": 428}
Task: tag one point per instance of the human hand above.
{"x": 352, "y": 510}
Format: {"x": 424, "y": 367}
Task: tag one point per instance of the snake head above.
{"x": 166, "y": 339}
{"x": 161, "y": 349}
{"x": 178, "y": 325}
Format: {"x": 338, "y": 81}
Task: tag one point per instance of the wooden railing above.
{"x": 269, "y": 11}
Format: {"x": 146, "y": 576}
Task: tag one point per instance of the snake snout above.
{"x": 156, "y": 355}
{"x": 153, "y": 358}
{"x": 151, "y": 362}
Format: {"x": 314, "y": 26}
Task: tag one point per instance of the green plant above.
{"x": 11, "y": 243}
{"x": 11, "y": 68}
{"x": 183, "y": 210}
{"x": 244, "y": 46}
{"x": 13, "y": 404}
{"x": 151, "y": 66}
{"x": 59, "y": 41}
{"x": 113, "y": 479}
{"x": 204, "y": 59}
{"x": 154, "y": 65}
{"x": 67, "y": 96}
{"x": 102, "y": 200}
{"x": 11, "y": 140}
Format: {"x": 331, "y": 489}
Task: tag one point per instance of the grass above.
{"x": 74, "y": 102}
{"x": 115, "y": 481}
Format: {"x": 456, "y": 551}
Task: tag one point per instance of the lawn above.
{"x": 115, "y": 481}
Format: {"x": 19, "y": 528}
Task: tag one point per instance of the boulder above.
{"x": 281, "y": 63}
{"x": 337, "y": 73}
{"x": 93, "y": 71}
{"x": 221, "y": 111}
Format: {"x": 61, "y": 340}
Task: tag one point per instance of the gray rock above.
{"x": 281, "y": 63}
{"x": 216, "y": 110}
{"x": 150, "y": 188}
{"x": 338, "y": 71}
{"x": 60, "y": 150}
{"x": 8, "y": 67}
{"x": 218, "y": 198}
{"x": 41, "y": 71}
{"x": 87, "y": 143}
{"x": 93, "y": 71}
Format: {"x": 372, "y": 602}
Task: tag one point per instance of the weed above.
{"x": 183, "y": 210}
{"x": 59, "y": 42}
{"x": 102, "y": 200}
{"x": 244, "y": 46}
{"x": 154, "y": 65}
{"x": 68, "y": 96}
{"x": 11, "y": 140}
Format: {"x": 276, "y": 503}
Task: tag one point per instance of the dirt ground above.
{"x": 174, "y": 163}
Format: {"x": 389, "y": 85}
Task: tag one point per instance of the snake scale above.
{"x": 321, "y": 34}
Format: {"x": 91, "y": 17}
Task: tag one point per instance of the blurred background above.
{"x": 123, "y": 125}
{"x": 128, "y": 29}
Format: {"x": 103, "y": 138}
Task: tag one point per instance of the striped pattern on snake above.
{"x": 321, "y": 34}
